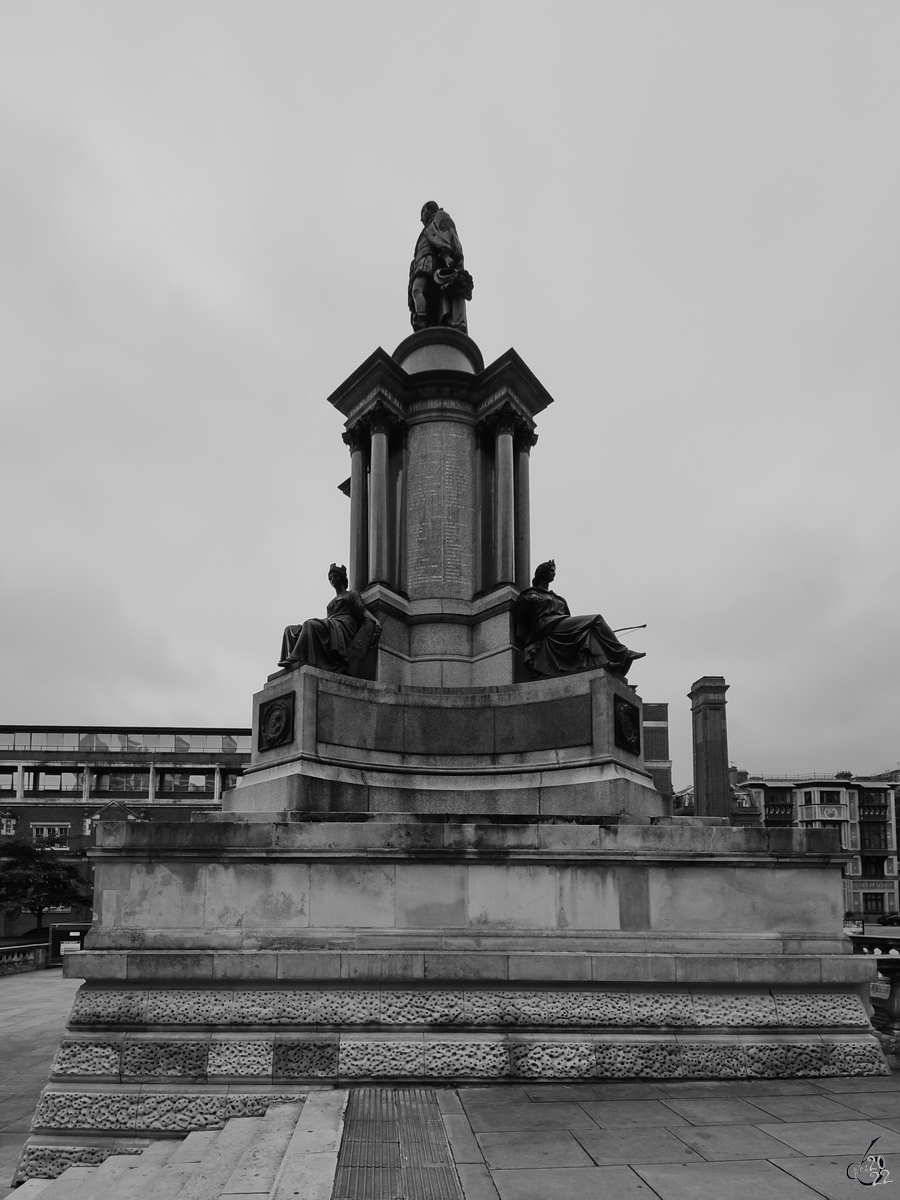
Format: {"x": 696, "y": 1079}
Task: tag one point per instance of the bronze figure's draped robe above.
{"x": 324, "y": 642}
{"x": 556, "y": 643}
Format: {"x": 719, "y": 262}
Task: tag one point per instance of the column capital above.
{"x": 379, "y": 419}
{"x": 354, "y": 439}
{"x": 505, "y": 419}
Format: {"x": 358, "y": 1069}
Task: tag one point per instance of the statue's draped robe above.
{"x": 556, "y": 643}
{"x": 322, "y": 642}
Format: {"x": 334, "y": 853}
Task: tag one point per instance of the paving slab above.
{"x": 721, "y": 1142}
{"x": 741, "y": 1087}
{"x": 807, "y": 1108}
{"x": 872, "y": 1104}
{"x": 752, "y": 1180}
{"x": 644, "y": 1114}
{"x": 463, "y": 1143}
{"x": 861, "y": 1083}
{"x": 493, "y": 1095}
{"x": 828, "y": 1175}
{"x": 497, "y": 1117}
{"x": 476, "y": 1182}
{"x": 624, "y": 1146}
{"x": 553, "y": 1148}
{"x": 575, "y": 1183}
{"x": 816, "y": 1138}
{"x": 728, "y": 1110}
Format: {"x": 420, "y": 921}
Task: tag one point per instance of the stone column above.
{"x": 378, "y": 501}
{"x": 712, "y": 795}
{"x": 504, "y": 502}
{"x": 151, "y": 784}
{"x": 524, "y": 442}
{"x": 359, "y": 535}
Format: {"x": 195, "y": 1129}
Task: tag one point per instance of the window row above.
{"x": 115, "y": 782}
{"x": 126, "y": 743}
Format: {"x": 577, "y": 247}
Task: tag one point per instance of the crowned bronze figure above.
{"x": 556, "y": 643}
{"x": 339, "y": 641}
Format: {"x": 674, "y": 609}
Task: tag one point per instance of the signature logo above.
{"x": 870, "y": 1170}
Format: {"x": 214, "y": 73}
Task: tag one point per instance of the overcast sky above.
{"x": 682, "y": 215}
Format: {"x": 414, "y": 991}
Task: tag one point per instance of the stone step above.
{"x": 218, "y": 1163}
{"x": 31, "y": 1188}
{"x": 257, "y": 1168}
{"x": 110, "y": 1178}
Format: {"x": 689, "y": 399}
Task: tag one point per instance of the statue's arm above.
{"x": 361, "y": 613}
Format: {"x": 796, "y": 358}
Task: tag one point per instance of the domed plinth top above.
{"x": 438, "y": 349}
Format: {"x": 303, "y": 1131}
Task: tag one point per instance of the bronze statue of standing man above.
{"x": 439, "y": 284}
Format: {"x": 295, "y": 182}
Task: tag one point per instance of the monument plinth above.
{"x": 446, "y": 860}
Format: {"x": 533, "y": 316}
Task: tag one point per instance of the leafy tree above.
{"x": 33, "y": 877}
{"x": 843, "y": 774}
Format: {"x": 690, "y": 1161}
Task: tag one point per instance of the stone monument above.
{"x": 449, "y": 862}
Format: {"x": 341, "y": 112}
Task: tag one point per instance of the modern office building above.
{"x": 57, "y": 782}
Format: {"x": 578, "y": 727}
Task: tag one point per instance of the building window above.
{"x": 873, "y": 867}
{"x": 829, "y": 797}
{"x": 7, "y": 779}
{"x": 185, "y": 783}
{"x": 54, "y": 836}
{"x": 60, "y": 781}
{"x": 873, "y": 902}
{"x": 7, "y": 826}
{"x": 873, "y": 835}
{"x": 229, "y": 779}
{"x": 122, "y": 782}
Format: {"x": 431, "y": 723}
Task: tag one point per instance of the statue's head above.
{"x": 337, "y": 576}
{"x": 544, "y": 573}
{"x": 429, "y": 208}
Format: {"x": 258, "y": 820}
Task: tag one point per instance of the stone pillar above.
{"x": 359, "y": 503}
{"x": 378, "y": 502}
{"x": 711, "y": 789}
{"x": 504, "y": 503}
{"x": 524, "y": 442}
{"x": 151, "y": 784}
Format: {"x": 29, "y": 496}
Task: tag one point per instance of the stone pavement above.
{"x": 33, "y": 1012}
{"x": 750, "y": 1140}
{"x": 746, "y": 1140}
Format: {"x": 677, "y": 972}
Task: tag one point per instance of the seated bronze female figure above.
{"x": 338, "y": 641}
{"x": 556, "y": 643}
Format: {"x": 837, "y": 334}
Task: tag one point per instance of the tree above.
{"x": 34, "y": 878}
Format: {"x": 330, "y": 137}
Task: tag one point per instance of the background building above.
{"x": 58, "y": 781}
{"x": 862, "y": 808}
{"x": 656, "y": 746}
